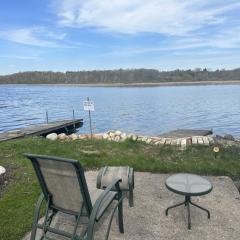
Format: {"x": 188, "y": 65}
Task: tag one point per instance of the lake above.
{"x": 144, "y": 110}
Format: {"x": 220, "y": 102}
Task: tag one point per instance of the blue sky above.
{"x": 71, "y": 35}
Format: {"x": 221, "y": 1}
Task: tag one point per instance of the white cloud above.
{"x": 35, "y": 36}
{"x": 214, "y": 43}
{"x": 20, "y": 57}
{"x": 172, "y": 17}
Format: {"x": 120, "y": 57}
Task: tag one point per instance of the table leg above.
{"x": 187, "y": 201}
{"x": 194, "y": 204}
{"x": 176, "y": 205}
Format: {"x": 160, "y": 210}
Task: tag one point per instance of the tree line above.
{"x": 119, "y": 76}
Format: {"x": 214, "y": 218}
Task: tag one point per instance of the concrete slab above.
{"x": 147, "y": 220}
{"x": 181, "y": 133}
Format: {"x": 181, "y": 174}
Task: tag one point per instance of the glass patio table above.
{"x": 188, "y": 185}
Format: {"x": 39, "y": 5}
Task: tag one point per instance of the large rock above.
{"x": 52, "y": 136}
{"x": 205, "y": 140}
{"x": 229, "y": 137}
{"x": 174, "y": 142}
{"x": 105, "y": 136}
{"x": 2, "y": 170}
{"x": 73, "y": 136}
{"x": 118, "y": 133}
{"x": 117, "y": 138}
{"x": 62, "y": 136}
{"x": 111, "y": 134}
{"x": 179, "y": 141}
{"x": 189, "y": 141}
{"x": 123, "y": 137}
{"x": 129, "y": 136}
{"x": 194, "y": 140}
{"x": 183, "y": 143}
{"x": 134, "y": 137}
{"x": 149, "y": 140}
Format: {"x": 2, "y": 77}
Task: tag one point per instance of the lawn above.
{"x": 18, "y": 197}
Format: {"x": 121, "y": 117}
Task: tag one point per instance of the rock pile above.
{"x": 118, "y": 136}
{"x": 227, "y": 140}
{"x": 72, "y": 137}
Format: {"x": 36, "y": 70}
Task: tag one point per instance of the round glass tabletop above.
{"x": 188, "y": 184}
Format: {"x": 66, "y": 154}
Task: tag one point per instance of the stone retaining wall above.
{"x": 118, "y": 136}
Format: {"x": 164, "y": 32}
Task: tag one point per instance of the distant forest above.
{"x": 124, "y": 76}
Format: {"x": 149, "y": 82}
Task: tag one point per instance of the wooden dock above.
{"x": 65, "y": 126}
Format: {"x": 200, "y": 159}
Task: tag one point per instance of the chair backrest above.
{"x": 63, "y": 183}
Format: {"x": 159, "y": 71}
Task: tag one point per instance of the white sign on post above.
{"x": 88, "y": 106}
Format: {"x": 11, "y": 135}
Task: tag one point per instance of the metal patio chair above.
{"x": 65, "y": 190}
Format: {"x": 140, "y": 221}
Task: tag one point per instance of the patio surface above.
{"x": 147, "y": 220}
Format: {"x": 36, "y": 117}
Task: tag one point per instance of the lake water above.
{"x": 145, "y": 110}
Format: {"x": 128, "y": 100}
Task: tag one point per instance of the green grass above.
{"x": 20, "y": 195}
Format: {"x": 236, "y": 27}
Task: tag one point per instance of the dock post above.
{"x": 74, "y": 120}
{"x": 47, "y": 116}
{"x": 90, "y": 120}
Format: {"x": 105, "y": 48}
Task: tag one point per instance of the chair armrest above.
{"x": 114, "y": 185}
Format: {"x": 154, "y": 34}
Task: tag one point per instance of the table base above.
{"x": 187, "y": 203}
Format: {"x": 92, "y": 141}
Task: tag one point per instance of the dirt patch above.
{"x": 148, "y": 149}
{"x": 89, "y": 152}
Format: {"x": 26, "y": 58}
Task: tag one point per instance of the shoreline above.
{"x": 160, "y": 84}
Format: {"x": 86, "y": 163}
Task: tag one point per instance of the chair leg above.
{"x": 36, "y": 217}
{"x": 130, "y": 200}
{"x": 120, "y": 217}
{"x": 34, "y": 231}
